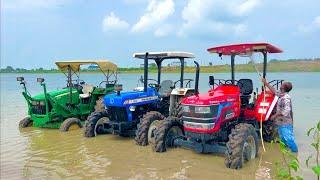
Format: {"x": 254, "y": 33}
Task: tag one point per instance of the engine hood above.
{"x": 221, "y": 94}
{"x": 131, "y": 98}
{"x": 54, "y": 94}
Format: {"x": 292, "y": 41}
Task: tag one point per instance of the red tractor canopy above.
{"x": 244, "y": 48}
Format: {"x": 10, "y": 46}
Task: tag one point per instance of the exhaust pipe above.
{"x": 196, "y": 88}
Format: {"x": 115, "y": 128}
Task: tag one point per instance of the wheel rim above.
{"x": 249, "y": 149}
{"x": 153, "y": 126}
{"x": 73, "y": 126}
{"x": 99, "y": 125}
{"x": 173, "y": 132}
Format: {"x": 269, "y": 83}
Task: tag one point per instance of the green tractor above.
{"x": 68, "y": 108}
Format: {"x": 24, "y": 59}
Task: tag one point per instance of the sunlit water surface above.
{"x": 35, "y": 153}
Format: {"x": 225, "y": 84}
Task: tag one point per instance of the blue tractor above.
{"x": 133, "y": 113}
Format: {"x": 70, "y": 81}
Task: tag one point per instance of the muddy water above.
{"x": 34, "y": 153}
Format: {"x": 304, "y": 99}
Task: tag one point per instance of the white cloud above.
{"x": 163, "y": 30}
{"x": 156, "y": 13}
{"x": 311, "y": 27}
{"x": 112, "y": 22}
{"x": 23, "y": 5}
{"x": 217, "y": 17}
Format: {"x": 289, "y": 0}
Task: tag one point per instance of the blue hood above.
{"x": 131, "y": 98}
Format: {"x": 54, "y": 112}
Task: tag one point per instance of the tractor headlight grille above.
{"x": 38, "y": 107}
{"x": 190, "y": 111}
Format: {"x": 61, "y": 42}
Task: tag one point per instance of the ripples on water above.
{"x": 34, "y": 153}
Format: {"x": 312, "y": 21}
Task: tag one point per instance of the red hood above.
{"x": 223, "y": 93}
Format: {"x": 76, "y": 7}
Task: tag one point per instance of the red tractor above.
{"x": 224, "y": 120}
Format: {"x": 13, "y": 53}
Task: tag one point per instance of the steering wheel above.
{"x": 188, "y": 82}
{"x": 238, "y": 83}
{"x": 107, "y": 82}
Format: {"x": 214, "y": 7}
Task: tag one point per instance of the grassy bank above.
{"x": 273, "y": 66}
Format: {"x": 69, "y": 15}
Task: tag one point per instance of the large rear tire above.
{"x": 70, "y": 124}
{"x": 146, "y": 127}
{"x": 167, "y": 131}
{"x": 242, "y": 146}
{"x": 95, "y": 124}
{"x": 269, "y": 131}
{"x": 25, "y": 122}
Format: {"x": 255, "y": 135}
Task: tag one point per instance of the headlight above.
{"x": 34, "y": 103}
{"x": 132, "y": 108}
{"x": 202, "y": 109}
{"x": 186, "y": 108}
{"x": 42, "y": 103}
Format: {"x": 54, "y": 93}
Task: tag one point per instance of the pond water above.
{"x": 35, "y": 153}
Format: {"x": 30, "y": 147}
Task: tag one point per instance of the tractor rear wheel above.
{"x": 146, "y": 127}
{"x": 95, "y": 124}
{"x": 269, "y": 131}
{"x": 25, "y": 122}
{"x": 99, "y": 105}
{"x": 70, "y": 124}
{"x": 242, "y": 146}
{"x": 168, "y": 130}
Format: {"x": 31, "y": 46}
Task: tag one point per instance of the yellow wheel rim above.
{"x": 74, "y": 127}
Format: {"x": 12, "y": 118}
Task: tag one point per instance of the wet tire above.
{"x": 169, "y": 129}
{"x": 91, "y": 127}
{"x": 143, "y": 127}
{"x": 99, "y": 107}
{"x": 242, "y": 146}
{"x": 269, "y": 131}
{"x": 25, "y": 122}
{"x": 70, "y": 124}
{"x": 177, "y": 110}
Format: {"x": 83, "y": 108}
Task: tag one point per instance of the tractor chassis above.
{"x": 202, "y": 145}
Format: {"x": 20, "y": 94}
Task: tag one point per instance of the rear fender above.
{"x": 265, "y": 104}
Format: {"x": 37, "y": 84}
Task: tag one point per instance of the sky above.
{"x": 36, "y": 33}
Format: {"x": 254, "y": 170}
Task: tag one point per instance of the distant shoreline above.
{"x": 273, "y": 66}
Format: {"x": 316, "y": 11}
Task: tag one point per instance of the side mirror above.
{"x": 211, "y": 80}
{"x": 40, "y": 80}
{"x": 20, "y": 79}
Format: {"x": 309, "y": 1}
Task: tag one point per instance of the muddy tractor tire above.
{"x": 177, "y": 110}
{"x": 70, "y": 124}
{"x": 99, "y": 107}
{"x": 242, "y": 146}
{"x": 94, "y": 124}
{"x": 146, "y": 127}
{"x": 25, "y": 122}
{"x": 269, "y": 131}
{"x": 169, "y": 129}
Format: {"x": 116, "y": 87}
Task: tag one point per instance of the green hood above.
{"x": 53, "y": 93}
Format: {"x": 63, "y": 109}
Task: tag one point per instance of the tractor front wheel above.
{"x": 242, "y": 146}
{"x": 25, "y": 122}
{"x": 70, "y": 124}
{"x": 95, "y": 124}
{"x": 146, "y": 127}
{"x": 168, "y": 130}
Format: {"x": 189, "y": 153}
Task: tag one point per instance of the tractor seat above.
{"x": 86, "y": 91}
{"x": 165, "y": 88}
{"x": 246, "y": 88}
